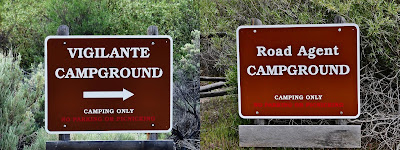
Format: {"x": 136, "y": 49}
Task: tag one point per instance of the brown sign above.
{"x": 299, "y": 71}
{"x": 108, "y": 84}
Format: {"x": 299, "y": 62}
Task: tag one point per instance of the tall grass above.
{"x": 219, "y": 123}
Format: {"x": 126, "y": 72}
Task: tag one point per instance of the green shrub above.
{"x": 21, "y": 99}
{"x": 83, "y": 17}
{"x": 24, "y": 21}
{"x": 29, "y": 22}
{"x": 231, "y": 80}
{"x": 41, "y": 137}
{"x": 125, "y": 17}
{"x": 175, "y": 18}
{"x": 186, "y": 84}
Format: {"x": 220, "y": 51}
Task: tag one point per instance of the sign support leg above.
{"x": 63, "y": 30}
{"x": 64, "y": 137}
{"x": 152, "y": 30}
{"x": 340, "y": 19}
{"x": 255, "y": 21}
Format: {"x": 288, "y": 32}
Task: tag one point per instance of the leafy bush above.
{"x": 41, "y": 137}
{"x": 83, "y": 17}
{"x": 24, "y": 23}
{"x": 186, "y": 130}
{"x": 231, "y": 78}
{"x": 29, "y": 22}
{"x": 177, "y": 19}
{"x": 21, "y": 102}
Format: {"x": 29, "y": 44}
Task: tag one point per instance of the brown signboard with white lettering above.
{"x": 108, "y": 84}
{"x": 298, "y": 71}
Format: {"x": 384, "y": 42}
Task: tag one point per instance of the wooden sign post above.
{"x": 298, "y": 72}
{"x": 340, "y": 19}
{"x": 152, "y": 30}
{"x": 63, "y": 30}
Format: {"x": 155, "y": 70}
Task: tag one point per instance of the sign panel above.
{"x": 108, "y": 84}
{"x": 298, "y": 71}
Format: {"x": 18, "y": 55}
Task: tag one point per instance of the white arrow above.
{"x": 124, "y": 94}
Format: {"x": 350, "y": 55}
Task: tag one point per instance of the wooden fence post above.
{"x": 340, "y": 19}
{"x": 255, "y": 21}
{"x": 152, "y": 30}
{"x": 63, "y": 30}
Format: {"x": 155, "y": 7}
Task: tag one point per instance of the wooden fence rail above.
{"x": 205, "y": 78}
{"x": 213, "y": 94}
{"x": 212, "y": 86}
{"x": 206, "y": 90}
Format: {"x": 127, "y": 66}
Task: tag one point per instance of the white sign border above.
{"x": 109, "y": 36}
{"x": 294, "y": 26}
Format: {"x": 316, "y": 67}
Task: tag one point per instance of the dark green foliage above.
{"x": 24, "y": 23}
{"x": 231, "y": 77}
{"x": 177, "y": 19}
{"x": 83, "y": 17}
{"x": 29, "y": 22}
{"x": 123, "y": 17}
